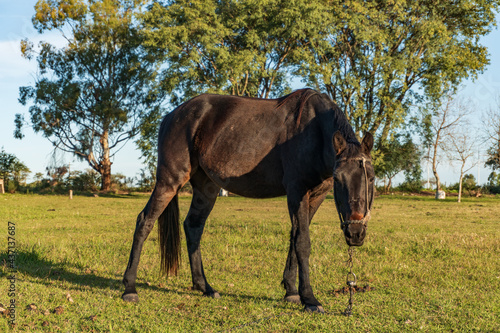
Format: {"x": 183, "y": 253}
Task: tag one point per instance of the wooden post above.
{"x": 2, "y": 189}
{"x": 70, "y": 194}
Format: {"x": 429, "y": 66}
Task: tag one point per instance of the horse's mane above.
{"x": 303, "y": 95}
{"x": 345, "y": 128}
{"x": 340, "y": 119}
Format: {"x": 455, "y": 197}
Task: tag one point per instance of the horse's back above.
{"x": 238, "y": 142}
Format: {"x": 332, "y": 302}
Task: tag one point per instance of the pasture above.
{"x": 434, "y": 266}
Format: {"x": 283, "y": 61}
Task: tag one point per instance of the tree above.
{"x": 244, "y": 48}
{"x": 492, "y": 133}
{"x": 397, "y": 155}
{"x": 463, "y": 149}
{"x": 12, "y": 170}
{"x": 7, "y": 162}
{"x": 56, "y": 175}
{"x": 85, "y": 181}
{"x": 379, "y": 58}
{"x": 445, "y": 118}
{"x": 469, "y": 183}
{"x": 90, "y": 95}
{"x": 494, "y": 182}
{"x": 374, "y": 58}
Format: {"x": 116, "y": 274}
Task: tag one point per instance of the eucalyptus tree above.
{"x": 244, "y": 48}
{"x": 376, "y": 59}
{"x": 381, "y": 57}
{"x": 90, "y": 95}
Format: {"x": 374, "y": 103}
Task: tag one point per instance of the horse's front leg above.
{"x": 298, "y": 207}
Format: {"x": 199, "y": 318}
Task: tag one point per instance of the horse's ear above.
{"x": 367, "y": 143}
{"x": 339, "y": 143}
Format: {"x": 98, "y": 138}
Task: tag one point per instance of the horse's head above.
{"x": 353, "y": 186}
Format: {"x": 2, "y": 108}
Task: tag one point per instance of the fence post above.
{"x": 70, "y": 194}
{"x": 2, "y": 189}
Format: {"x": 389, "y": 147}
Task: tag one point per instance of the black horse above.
{"x": 299, "y": 145}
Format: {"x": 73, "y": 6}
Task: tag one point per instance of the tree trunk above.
{"x": 106, "y": 175}
{"x": 460, "y": 189}
{"x": 434, "y": 164}
{"x": 105, "y": 164}
{"x": 460, "y": 183}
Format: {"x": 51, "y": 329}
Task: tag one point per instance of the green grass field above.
{"x": 434, "y": 265}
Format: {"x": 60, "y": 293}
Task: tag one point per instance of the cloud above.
{"x": 13, "y": 65}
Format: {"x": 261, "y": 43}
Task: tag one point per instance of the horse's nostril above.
{"x": 356, "y": 216}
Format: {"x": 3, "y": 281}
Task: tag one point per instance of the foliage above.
{"x": 494, "y": 179}
{"x": 378, "y": 58}
{"x": 375, "y": 59}
{"x": 423, "y": 258}
{"x": 87, "y": 181}
{"x": 91, "y": 94}
{"x": 240, "y": 48}
{"x": 493, "y": 185}
{"x": 468, "y": 183}
{"x": 397, "y": 155}
{"x": 244, "y": 48}
{"x": 492, "y": 130}
{"x": 12, "y": 171}
{"x": 146, "y": 179}
{"x": 493, "y": 160}
{"x": 56, "y": 176}
{"x": 413, "y": 178}
{"x": 59, "y": 180}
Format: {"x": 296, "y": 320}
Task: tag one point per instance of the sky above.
{"x": 36, "y": 152}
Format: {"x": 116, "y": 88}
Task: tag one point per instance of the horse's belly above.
{"x": 249, "y": 187}
{"x": 265, "y": 180}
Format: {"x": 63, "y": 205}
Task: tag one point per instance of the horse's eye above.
{"x": 371, "y": 179}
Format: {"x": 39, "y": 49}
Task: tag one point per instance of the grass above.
{"x": 434, "y": 266}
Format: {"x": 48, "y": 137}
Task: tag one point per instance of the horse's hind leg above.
{"x": 204, "y": 196}
{"x": 159, "y": 200}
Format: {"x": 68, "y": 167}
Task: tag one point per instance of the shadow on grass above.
{"x": 132, "y": 195}
{"x": 47, "y": 271}
{"x": 31, "y": 263}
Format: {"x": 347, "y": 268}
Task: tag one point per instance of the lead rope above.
{"x": 350, "y": 283}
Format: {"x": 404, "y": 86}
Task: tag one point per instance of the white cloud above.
{"x": 13, "y": 65}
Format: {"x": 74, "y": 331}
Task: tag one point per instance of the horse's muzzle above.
{"x": 355, "y": 234}
{"x": 355, "y": 229}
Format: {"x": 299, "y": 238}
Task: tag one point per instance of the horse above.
{"x": 299, "y": 145}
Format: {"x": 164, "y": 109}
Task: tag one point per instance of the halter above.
{"x": 365, "y": 219}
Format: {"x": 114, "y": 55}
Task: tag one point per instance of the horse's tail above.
{"x": 170, "y": 240}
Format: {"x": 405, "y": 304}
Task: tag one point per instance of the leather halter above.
{"x": 365, "y": 219}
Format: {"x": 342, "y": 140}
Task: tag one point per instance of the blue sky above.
{"x": 36, "y": 152}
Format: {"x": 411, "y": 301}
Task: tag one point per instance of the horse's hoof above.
{"x": 212, "y": 294}
{"x": 131, "y": 297}
{"x": 314, "y": 309}
{"x": 295, "y": 299}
